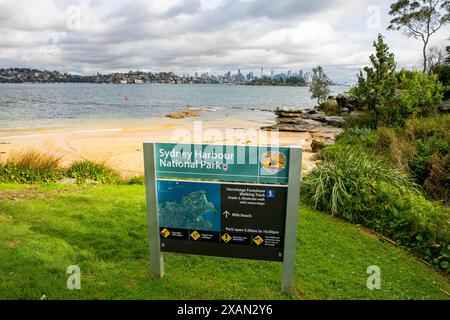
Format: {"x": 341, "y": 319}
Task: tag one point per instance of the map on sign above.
{"x": 189, "y": 206}
{"x": 222, "y": 219}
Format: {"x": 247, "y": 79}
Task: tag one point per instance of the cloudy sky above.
{"x": 188, "y": 36}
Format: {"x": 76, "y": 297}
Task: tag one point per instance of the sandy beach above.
{"x": 118, "y": 143}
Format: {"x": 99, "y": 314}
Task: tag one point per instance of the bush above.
{"x": 365, "y": 190}
{"x": 88, "y": 170}
{"x": 30, "y": 167}
{"x": 139, "y": 180}
{"x": 361, "y": 120}
{"x": 429, "y": 163}
{"x": 420, "y": 94}
{"x": 330, "y": 108}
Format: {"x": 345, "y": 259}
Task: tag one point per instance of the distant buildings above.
{"x": 20, "y": 75}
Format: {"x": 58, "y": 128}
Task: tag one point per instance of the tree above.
{"x": 376, "y": 91}
{"x": 320, "y": 86}
{"x": 420, "y": 19}
{"x": 436, "y": 56}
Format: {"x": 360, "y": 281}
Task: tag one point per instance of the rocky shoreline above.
{"x": 295, "y": 120}
{"x": 315, "y": 120}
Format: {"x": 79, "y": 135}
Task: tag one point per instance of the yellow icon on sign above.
{"x": 195, "y": 235}
{"x": 258, "y": 240}
{"x": 226, "y": 238}
{"x": 165, "y": 233}
{"x": 274, "y": 162}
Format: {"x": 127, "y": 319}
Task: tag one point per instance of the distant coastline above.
{"x": 27, "y": 75}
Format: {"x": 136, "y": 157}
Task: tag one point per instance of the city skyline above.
{"x": 21, "y": 75}
{"x": 188, "y": 36}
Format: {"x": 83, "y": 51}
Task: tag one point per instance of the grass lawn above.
{"x": 46, "y": 228}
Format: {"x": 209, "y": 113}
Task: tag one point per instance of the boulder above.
{"x": 347, "y": 100}
{"x": 335, "y": 121}
{"x": 289, "y": 113}
{"x": 318, "y": 117}
{"x": 303, "y": 125}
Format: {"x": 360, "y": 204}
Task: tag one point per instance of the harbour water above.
{"x": 30, "y": 106}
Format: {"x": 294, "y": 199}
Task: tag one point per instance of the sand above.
{"x": 119, "y": 144}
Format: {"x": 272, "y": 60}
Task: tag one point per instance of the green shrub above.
{"x": 139, "y": 180}
{"x": 420, "y": 94}
{"x": 89, "y": 170}
{"x": 430, "y": 162}
{"x": 330, "y": 108}
{"x": 30, "y": 167}
{"x": 361, "y": 120}
{"x": 317, "y": 145}
{"x": 365, "y": 190}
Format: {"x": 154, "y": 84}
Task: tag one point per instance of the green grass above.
{"x": 46, "y": 228}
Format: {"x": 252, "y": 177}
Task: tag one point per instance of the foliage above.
{"x": 291, "y": 81}
{"x": 330, "y": 108}
{"x": 320, "y": 86}
{"x": 420, "y": 19}
{"x": 103, "y": 230}
{"x": 376, "y": 91}
{"x": 366, "y": 190}
{"x": 317, "y": 145}
{"x": 89, "y": 170}
{"x": 420, "y": 94}
{"x": 428, "y": 158}
{"x": 33, "y": 166}
{"x": 360, "y": 120}
{"x": 389, "y": 98}
{"x": 138, "y": 180}
{"x": 30, "y": 167}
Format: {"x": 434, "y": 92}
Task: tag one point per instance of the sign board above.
{"x": 221, "y": 200}
{"x": 223, "y": 162}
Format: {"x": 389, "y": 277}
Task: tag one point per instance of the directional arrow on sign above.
{"x": 226, "y": 214}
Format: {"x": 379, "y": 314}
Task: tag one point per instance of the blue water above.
{"x": 42, "y": 105}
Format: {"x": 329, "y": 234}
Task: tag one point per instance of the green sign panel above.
{"x": 223, "y": 200}
{"x": 223, "y": 163}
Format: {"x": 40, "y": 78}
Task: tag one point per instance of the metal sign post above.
{"x": 156, "y": 258}
{"x": 199, "y": 205}
{"x": 293, "y": 199}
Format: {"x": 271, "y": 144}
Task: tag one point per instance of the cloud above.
{"x": 195, "y": 35}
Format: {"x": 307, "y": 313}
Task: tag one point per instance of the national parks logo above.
{"x": 273, "y": 162}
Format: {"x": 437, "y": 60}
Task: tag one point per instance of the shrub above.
{"x": 89, "y": 170}
{"x": 430, "y": 162}
{"x": 361, "y": 120}
{"x": 139, "y": 180}
{"x": 421, "y": 94}
{"x": 330, "y": 108}
{"x": 31, "y": 166}
{"x": 366, "y": 190}
{"x": 376, "y": 89}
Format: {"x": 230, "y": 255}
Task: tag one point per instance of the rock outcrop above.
{"x": 347, "y": 102}
{"x": 295, "y": 120}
